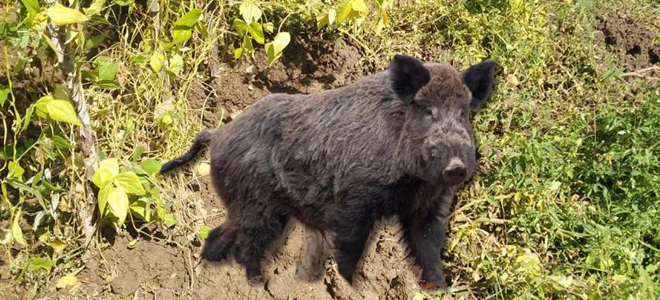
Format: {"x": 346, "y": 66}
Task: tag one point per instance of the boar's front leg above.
{"x": 424, "y": 237}
{"x": 350, "y": 227}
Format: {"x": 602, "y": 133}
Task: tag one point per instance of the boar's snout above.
{"x": 455, "y": 173}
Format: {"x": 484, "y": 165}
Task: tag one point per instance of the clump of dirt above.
{"x": 149, "y": 268}
{"x": 630, "y": 40}
{"x": 306, "y": 66}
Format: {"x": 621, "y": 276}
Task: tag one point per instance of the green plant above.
{"x": 251, "y": 27}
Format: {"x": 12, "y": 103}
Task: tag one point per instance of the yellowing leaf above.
{"x": 62, "y": 15}
{"x": 359, "y": 6}
{"x": 156, "y": 61}
{"x": 108, "y": 169}
{"x": 204, "y": 169}
{"x": 94, "y": 8}
{"x": 66, "y": 281}
{"x": 129, "y": 181}
{"x": 344, "y": 12}
{"x": 274, "y": 49}
{"x": 16, "y": 228}
{"x": 176, "y": 64}
{"x": 62, "y": 110}
{"x": 118, "y": 202}
{"x": 57, "y": 246}
{"x": 250, "y": 11}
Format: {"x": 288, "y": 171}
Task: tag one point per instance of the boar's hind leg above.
{"x": 254, "y": 235}
{"x": 308, "y": 268}
{"x": 424, "y": 238}
{"x": 351, "y": 230}
{"x": 219, "y": 242}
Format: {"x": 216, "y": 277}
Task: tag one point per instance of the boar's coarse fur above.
{"x": 397, "y": 142}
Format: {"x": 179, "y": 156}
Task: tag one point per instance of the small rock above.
{"x": 370, "y": 296}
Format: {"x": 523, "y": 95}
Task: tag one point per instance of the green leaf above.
{"x": 108, "y": 71}
{"x": 151, "y": 166}
{"x": 15, "y": 170}
{"x": 95, "y": 41}
{"x": 108, "y": 169}
{"x": 274, "y": 49}
{"x": 140, "y": 209}
{"x": 326, "y": 19}
{"x": 189, "y": 20}
{"x": 104, "y": 194}
{"x": 204, "y": 232}
{"x": 39, "y": 263}
{"x": 124, "y": 2}
{"x": 247, "y": 44}
{"x": 42, "y": 106}
{"x": 137, "y": 152}
{"x": 181, "y": 35}
{"x": 238, "y": 53}
{"x": 250, "y": 11}
{"x": 16, "y": 231}
{"x": 200, "y": 27}
{"x": 166, "y": 45}
{"x": 108, "y": 84}
{"x": 169, "y": 220}
{"x": 118, "y": 203}
{"x": 256, "y": 32}
{"x": 240, "y": 26}
{"x": 62, "y": 15}
{"x": 32, "y": 7}
{"x": 139, "y": 59}
{"x": 156, "y": 61}
{"x": 61, "y": 142}
{"x": 62, "y": 110}
{"x": 94, "y": 8}
{"x": 130, "y": 182}
{"x": 4, "y": 93}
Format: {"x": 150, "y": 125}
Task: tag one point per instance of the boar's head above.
{"x": 437, "y": 131}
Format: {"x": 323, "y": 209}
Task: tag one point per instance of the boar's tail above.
{"x": 200, "y": 140}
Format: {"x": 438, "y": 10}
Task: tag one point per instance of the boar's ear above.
{"x": 407, "y": 75}
{"x": 479, "y": 79}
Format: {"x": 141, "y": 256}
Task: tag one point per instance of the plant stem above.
{"x": 85, "y": 133}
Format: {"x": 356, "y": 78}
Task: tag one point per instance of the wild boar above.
{"x": 397, "y": 142}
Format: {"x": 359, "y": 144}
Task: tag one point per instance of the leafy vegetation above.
{"x": 566, "y": 203}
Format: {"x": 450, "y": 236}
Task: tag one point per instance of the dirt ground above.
{"x": 153, "y": 269}
{"x": 631, "y": 41}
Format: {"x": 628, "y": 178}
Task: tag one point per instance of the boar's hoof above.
{"x": 257, "y": 280}
{"x": 430, "y": 285}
